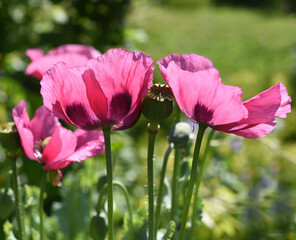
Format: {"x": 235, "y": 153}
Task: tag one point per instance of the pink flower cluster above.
{"x": 93, "y": 91}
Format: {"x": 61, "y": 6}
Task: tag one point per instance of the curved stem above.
{"x": 18, "y": 204}
{"x": 175, "y": 183}
{"x": 129, "y": 207}
{"x": 107, "y": 132}
{"x": 195, "y": 200}
{"x": 161, "y": 185}
{"x": 152, "y": 131}
{"x": 41, "y": 199}
{"x": 193, "y": 174}
{"x": 126, "y": 195}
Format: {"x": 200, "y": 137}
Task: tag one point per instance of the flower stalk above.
{"x": 109, "y": 169}
{"x": 195, "y": 164}
{"x": 41, "y": 201}
{"x": 175, "y": 183}
{"x": 199, "y": 176}
{"x": 18, "y": 203}
{"x": 152, "y": 131}
{"x": 160, "y": 188}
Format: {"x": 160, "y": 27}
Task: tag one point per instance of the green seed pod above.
{"x": 180, "y": 134}
{"x": 7, "y": 203}
{"x": 9, "y": 137}
{"x": 157, "y": 106}
{"x": 98, "y": 227}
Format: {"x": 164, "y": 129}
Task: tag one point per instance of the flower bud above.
{"x": 55, "y": 177}
{"x": 98, "y": 227}
{"x": 7, "y": 203}
{"x": 157, "y": 106}
{"x": 9, "y": 137}
{"x": 180, "y": 134}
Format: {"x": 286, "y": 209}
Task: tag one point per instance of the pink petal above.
{"x": 187, "y": 62}
{"x": 83, "y": 50}
{"x": 203, "y": 98}
{"x": 34, "y": 53}
{"x": 255, "y": 131}
{"x": 95, "y": 95}
{"x": 119, "y": 71}
{"x": 265, "y": 106}
{"x": 61, "y": 145}
{"x": 129, "y": 121}
{"x": 22, "y": 122}
{"x": 64, "y": 93}
{"x": 89, "y": 144}
{"x": 285, "y": 106}
{"x": 73, "y": 55}
{"x": 43, "y": 124}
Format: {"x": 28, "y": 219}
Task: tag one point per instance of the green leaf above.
{"x": 8, "y": 230}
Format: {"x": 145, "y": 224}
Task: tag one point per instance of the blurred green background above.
{"x": 249, "y": 186}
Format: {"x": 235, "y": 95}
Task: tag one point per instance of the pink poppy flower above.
{"x": 43, "y": 139}
{"x": 71, "y": 54}
{"x": 203, "y": 98}
{"x": 107, "y": 92}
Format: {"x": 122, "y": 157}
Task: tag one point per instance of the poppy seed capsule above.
{"x": 9, "y": 137}
{"x": 157, "y": 106}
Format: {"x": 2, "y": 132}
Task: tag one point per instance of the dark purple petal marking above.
{"x": 80, "y": 117}
{"x": 202, "y": 114}
{"x": 120, "y": 106}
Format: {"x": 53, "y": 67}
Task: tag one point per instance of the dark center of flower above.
{"x": 160, "y": 92}
{"x": 39, "y": 147}
{"x": 202, "y": 114}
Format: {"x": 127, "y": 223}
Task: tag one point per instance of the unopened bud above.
{"x": 180, "y": 134}
{"x": 98, "y": 227}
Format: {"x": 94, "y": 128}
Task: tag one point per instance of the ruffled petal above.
{"x": 267, "y": 105}
{"x": 22, "y": 122}
{"x": 89, "y": 144}
{"x": 34, "y": 53}
{"x": 95, "y": 95}
{"x": 187, "y": 62}
{"x": 61, "y": 145}
{"x": 203, "y": 98}
{"x": 255, "y": 131}
{"x": 125, "y": 78}
{"x": 83, "y": 50}
{"x": 62, "y": 88}
{"x": 285, "y": 106}
{"x": 43, "y": 124}
{"x": 73, "y": 55}
{"x": 121, "y": 71}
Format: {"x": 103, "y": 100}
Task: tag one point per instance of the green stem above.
{"x": 152, "y": 131}
{"x": 195, "y": 200}
{"x": 18, "y": 204}
{"x": 129, "y": 207}
{"x": 161, "y": 185}
{"x": 41, "y": 200}
{"x": 101, "y": 201}
{"x": 192, "y": 180}
{"x": 107, "y": 132}
{"x": 175, "y": 183}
